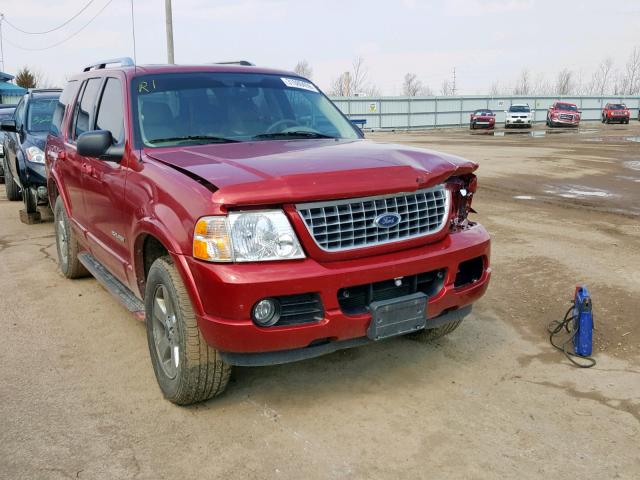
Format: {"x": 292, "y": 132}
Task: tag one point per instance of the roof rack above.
{"x": 244, "y": 63}
{"x": 43, "y": 90}
{"x": 123, "y": 62}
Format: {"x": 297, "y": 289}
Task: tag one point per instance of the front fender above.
{"x": 153, "y": 227}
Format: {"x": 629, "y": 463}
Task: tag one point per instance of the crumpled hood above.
{"x": 289, "y": 171}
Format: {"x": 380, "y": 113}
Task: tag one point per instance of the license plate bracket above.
{"x": 397, "y": 316}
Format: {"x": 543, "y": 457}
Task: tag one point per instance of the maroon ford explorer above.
{"x": 247, "y": 221}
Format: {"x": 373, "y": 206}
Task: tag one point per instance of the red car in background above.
{"x": 563, "y": 113}
{"x": 615, "y": 112}
{"x": 482, "y": 118}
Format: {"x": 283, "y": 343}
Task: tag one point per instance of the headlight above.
{"x": 35, "y": 155}
{"x": 257, "y": 236}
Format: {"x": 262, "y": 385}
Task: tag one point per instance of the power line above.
{"x": 65, "y": 39}
{"x": 53, "y": 29}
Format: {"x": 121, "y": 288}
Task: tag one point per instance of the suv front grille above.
{"x": 347, "y": 224}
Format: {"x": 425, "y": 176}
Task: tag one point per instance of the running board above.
{"x": 114, "y": 286}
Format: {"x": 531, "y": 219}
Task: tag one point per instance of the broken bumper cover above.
{"x": 229, "y": 291}
{"x": 261, "y": 359}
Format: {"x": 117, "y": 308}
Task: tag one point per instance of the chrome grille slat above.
{"x": 348, "y": 224}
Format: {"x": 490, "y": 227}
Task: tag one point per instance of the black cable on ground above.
{"x": 555, "y": 327}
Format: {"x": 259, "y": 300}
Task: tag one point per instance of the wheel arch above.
{"x": 151, "y": 244}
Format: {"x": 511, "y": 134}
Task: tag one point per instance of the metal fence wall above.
{"x": 431, "y": 112}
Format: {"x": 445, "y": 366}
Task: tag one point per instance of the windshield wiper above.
{"x": 298, "y": 133}
{"x": 208, "y": 138}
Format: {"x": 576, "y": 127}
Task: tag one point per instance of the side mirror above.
{"x": 8, "y": 126}
{"x": 99, "y": 144}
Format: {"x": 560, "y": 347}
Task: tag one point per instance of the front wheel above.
{"x": 11, "y": 187}
{"x": 187, "y": 369}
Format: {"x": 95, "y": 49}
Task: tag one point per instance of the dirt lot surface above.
{"x": 78, "y": 398}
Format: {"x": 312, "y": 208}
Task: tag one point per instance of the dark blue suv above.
{"x": 24, "y": 139}
{"x": 6, "y": 113}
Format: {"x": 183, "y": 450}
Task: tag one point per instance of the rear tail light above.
{"x": 462, "y": 189}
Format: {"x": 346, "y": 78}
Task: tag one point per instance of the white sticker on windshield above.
{"x": 298, "y": 83}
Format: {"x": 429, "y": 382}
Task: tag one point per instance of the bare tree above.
{"x": 303, "y": 69}
{"x": 411, "y": 86}
{"x": 359, "y": 75}
{"x": 564, "y": 82}
{"x": 523, "y": 84}
{"x": 446, "y": 88}
{"x": 425, "y": 91}
{"x": 631, "y": 80}
{"x": 372, "y": 91}
{"x": 354, "y": 82}
{"x": 541, "y": 86}
{"x": 342, "y": 86}
{"x": 601, "y": 77}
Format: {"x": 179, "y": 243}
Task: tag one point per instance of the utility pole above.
{"x": 1, "y": 47}
{"x": 453, "y": 87}
{"x": 169, "y": 21}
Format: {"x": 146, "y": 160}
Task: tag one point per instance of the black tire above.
{"x": 429, "y": 334}
{"x": 199, "y": 373}
{"x": 29, "y": 199}
{"x": 11, "y": 187}
{"x": 67, "y": 244}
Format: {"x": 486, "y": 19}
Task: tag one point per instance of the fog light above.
{"x": 42, "y": 193}
{"x": 266, "y": 312}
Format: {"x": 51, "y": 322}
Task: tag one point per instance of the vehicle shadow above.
{"x": 395, "y": 364}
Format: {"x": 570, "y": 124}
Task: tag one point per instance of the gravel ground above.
{"x": 78, "y": 398}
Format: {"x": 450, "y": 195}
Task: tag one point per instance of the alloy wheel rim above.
{"x": 165, "y": 332}
{"x": 62, "y": 241}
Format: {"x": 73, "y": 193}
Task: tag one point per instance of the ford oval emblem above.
{"x": 387, "y": 220}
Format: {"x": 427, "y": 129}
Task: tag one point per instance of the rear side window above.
{"x": 84, "y": 108}
{"x": 110, "y": 113}
{"x": 67, "y": 96}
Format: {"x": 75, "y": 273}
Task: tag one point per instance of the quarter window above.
{"x": 84, "y": 108}
{"x": 67, "y": 96}
{"x": 110, "y": 116}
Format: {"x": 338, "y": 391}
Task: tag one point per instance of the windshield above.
{"x": 205, "y": 107}
{"x": 519, "y": 108}
{"x": 40, "y": 113}
{"x": 567, "y": 106}
{"x": 483, "y": 113}
{"x": 617, "y": 106}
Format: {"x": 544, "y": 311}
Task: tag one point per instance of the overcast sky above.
{"x": 486, "y": 40}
